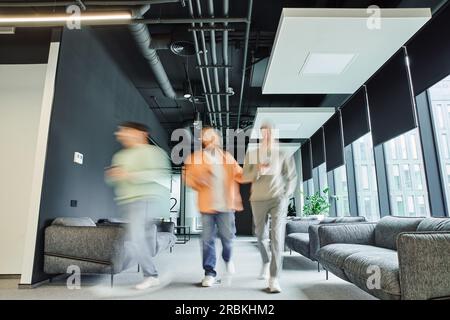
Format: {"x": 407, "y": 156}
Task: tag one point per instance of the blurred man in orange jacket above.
{"x": 215, "y": 174}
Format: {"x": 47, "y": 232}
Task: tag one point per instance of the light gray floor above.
{"x": 181, "y": 274}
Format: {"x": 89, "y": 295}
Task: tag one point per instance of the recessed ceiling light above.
{"x": 327, "y": 63}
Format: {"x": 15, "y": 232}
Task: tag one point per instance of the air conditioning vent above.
{"x": 7, "y": 30}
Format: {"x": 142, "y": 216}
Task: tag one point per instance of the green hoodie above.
{"x": 149, "y": 174}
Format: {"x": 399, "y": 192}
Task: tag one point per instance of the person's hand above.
{"x": 117, "y": 173}
{"x": 204, "y": 181}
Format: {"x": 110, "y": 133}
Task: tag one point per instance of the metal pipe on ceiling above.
{"x": 86, "y": 3}
{"x": 226, "y": 6}
{"x": 143, "y": 40}
{"x": 205, "y": 58}
{"x": 192, "y": 20}
{"x": 244, "y": 65}
{"x": 199, "y": 62}
{"x": 214, "y": 60}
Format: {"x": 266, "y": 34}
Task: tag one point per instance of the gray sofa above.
{"x": 410, "y": 255}
{"x": 302, "y": 234}
{"x": 95, "y": 248}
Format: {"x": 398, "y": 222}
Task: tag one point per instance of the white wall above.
{"x": 21, "y": 93}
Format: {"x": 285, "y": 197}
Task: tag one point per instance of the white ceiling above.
{"x": 304, "y": 32}
{"x": 291, "y": 123}
{"x": 288, "y": 148}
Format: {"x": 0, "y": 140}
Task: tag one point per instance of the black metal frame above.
{"x": 186, "y": 234}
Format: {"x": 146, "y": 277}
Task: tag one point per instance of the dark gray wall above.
{"x": 92, "y": 95}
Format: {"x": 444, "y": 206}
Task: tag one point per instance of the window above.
{"x": 407, "y": 175}
{"x": 320, "y": 178}
{"x": 418, "y": 177}
{"x": 421, "y": 206}
{"x": 362, "y": 147}
{"x": 365, "y": 176}
{"x": 448, "y": 175}
{"x": 341, "y": 190}
{"x": 399, "y": 207}
{"x": 413, "y": 145}
{"x": 393, "y": 149}
{"x": 410, "y": 206}
{"x": 440, "y": 110}
{"x": 403, "y": 147}
{"x": 396, "y": 176}
{"x": 444, "y": 146}
{"x": 308, "y": 187}
{"x": 323, "y": 180}
{"x": 407, "y": 188}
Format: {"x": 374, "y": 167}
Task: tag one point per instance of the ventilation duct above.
{"x": 143, "y": 40}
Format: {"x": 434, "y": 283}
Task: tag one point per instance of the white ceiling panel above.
{"x": 335, "y": 51}
{"x": 291, "y": 123}
{"x": 288, "y": 148}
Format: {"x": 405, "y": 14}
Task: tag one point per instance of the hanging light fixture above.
{"x": 59, "y": 19}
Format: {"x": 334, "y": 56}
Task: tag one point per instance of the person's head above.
{"x": 130, "y": 134}
{"x": 210, "y": 138}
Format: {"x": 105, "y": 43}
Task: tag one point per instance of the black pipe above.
{"x": 244, "y": 65}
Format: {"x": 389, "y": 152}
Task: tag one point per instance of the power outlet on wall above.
{"x": 78, "y": 158}
{"x": 73, "y": 203}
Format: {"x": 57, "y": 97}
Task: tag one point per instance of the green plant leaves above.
{"x": 316, "y": 204}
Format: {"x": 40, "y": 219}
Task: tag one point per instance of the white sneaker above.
{"x": 148, "y": 283}
{"x": 264, "y": 274}
{"x": 208, "y": 281}
{"x": 230, "y": 267}
{"x": 274, "y": 285}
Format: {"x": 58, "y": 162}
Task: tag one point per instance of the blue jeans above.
{"x": 223, "y": 224}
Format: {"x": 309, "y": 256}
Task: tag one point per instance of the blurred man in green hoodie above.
{"x": 140, "y": 175}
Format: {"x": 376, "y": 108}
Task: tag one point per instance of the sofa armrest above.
{"x": 314, "y": 242}
{"x": 356, "y": 233}
{"x": 103, "y": 244}
{"x": 299, "y": 226}
{"x": 424, "y": 262}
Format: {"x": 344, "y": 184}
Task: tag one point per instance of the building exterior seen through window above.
{"x": 365, "y": 176}
{"x": 341, "y": 191}
{"x": 408, "y": 194}
{"x": 440, "y": 106}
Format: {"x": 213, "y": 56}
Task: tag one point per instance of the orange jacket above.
{"x": 198, "y": 170}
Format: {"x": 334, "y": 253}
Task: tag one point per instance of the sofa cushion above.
{"x": 74, "y": 222}
{"x": 388, "y": 228}
{"x": 299, "y": 242}
{"x": 358, "y": 267}
{"x": 333, "y": 256}
{"x": 434, "y": 224}
{"x": 299, "y": 226}
{"x": 342, "y": 220}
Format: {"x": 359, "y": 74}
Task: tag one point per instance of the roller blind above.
{"x": 306, "y": 161}
{"x": 334, "y": 146}
{"x": 429, "y": 52}
{"x": 391, "y": 105}
{"x": 318, "y": 148}
{"x": 355, "y": 117}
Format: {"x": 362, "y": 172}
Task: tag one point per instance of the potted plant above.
{"x": 317, "y": 205}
